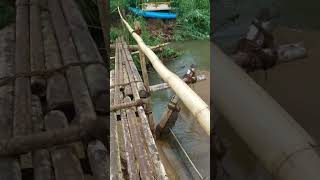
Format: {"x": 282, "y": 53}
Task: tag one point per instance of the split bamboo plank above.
{"x": 192, "y": 101}
{"x": 127, "y": 88}
{"x": 41, "y": 162}
{"x": 146, "y": 171}
{"x": 9, "y": 166}
{"x": 80, "y": 94}
{"x": 58, "y": 95}
{"x": 96, "y": 74}
{"x": 22, "y": 102}
{"x": 99, "y": 160}
{"x": 129, "y": 149}
{"x": 38, "y": 83}
{"x": 151, "y": 146}
{"x": 115, "y": 164}
{"x": 66, "y": 165}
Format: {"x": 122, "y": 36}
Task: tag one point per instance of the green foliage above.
{"x": 193, "y": 21}
{"x": 7, "y": 13}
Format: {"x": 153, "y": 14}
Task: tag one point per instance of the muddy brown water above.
{"x": 188, "y": 131}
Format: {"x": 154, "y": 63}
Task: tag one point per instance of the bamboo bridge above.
{"x": 133, "y": 150}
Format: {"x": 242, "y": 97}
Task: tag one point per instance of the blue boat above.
{"x": 153, "y": 14}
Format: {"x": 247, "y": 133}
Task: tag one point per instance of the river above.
{"x": 293, "y": 85}
{"x": 188, "y": 131}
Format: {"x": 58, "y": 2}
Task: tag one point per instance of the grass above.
{"x": 7, "y": 13}
{"x": 193, "y": 24}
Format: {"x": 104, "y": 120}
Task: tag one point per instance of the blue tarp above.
{"x": 155, "y": 15}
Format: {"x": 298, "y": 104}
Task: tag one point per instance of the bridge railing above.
{"x": 191, "y": 100}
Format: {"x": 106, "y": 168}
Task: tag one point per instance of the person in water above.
{"x": 257, "y": 49}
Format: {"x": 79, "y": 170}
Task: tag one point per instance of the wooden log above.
{"x": 66, "y": 165}
{"x": 79, "y": 90}
{"x": 128, "y": 146}
{"x": 99, "y": 160}
{"x": 96, "y": 74}
{"x": 38, "y": 83}
{"x": 58, "y": 95}
{"x": 9, "y": 166}
{"x": 42, "y": 169}
{"x": 22, "y": 102}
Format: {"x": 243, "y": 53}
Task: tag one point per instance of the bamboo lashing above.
{"x": 191, "y": 100}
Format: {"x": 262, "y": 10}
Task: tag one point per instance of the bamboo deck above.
{"x": 133, "y": 149}
{"x": 53, "y": 94}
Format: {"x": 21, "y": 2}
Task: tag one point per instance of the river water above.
{"x": 293, "y": 85}
{"x": 188, "y": 131}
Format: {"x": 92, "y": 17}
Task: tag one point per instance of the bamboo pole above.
{"x": 284, "y": 147}
{"x": 192, "y": 101}
{"x": 38, "y": 83}
{"x": 136, "y": 47}
{"x": 79, "y": 90}
{"x": 163, "y": 86}
{"x": 9, "y": 166}
{"x": 41, "y": 160}
{"x": 66, "y": 164}
{"x": 115, "y": 163}
{"x": 138, "y": 102}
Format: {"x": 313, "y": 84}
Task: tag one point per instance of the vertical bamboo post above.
{"x": 145, "y": 77}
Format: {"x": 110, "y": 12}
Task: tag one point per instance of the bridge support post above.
{"x": 168, "y": 118}
{"x": 148, "y": 106}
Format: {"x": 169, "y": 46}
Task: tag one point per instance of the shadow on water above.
{"x": 187, "y": 130}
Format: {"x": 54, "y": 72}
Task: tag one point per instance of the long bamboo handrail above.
{"x": 191, "y": 100}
